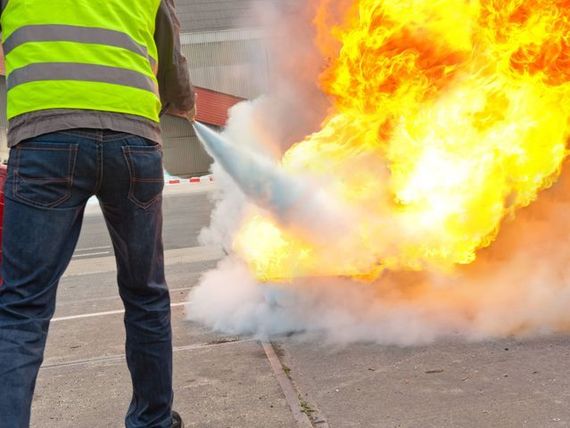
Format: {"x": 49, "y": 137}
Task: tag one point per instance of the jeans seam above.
{"x": 52, "y": 179}
{"x": 85, "y": 135}
{"x": 99, "y": 172}
{"x": 114, "y": 138}
{"x": 150, "y": 149}
{"x": 48, "y": 205}
{"x": 133, "y": 179}
{"x": 69, "y": 179}
{"x": 123, "y": 135}
{"x": 71, "y": 166}
{"x": 15, "y": 179}
{"x": 46, "y": 149}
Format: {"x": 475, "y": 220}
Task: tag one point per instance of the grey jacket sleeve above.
{"x": 176, "y": 92}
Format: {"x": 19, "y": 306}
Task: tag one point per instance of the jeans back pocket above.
{"x": 44, "y": 172}
{"x": 146, "y": 176}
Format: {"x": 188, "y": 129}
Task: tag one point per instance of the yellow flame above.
{"x": 447, "y": 117}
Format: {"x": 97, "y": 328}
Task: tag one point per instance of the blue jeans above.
{"x": 50, "y": 179}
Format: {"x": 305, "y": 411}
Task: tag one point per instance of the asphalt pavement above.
{"x": 229, "y": 381}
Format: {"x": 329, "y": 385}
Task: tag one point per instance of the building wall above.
{"x": 234, "y": 62}
{"x": 184, "y": 155}
{"x": 197, "y": 16}
{"x": 229, "y": 61}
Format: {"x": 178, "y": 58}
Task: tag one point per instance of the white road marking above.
{"x": 82, "y": 266}
{"x": 121, "y": 357}
{"x": 100, "y": 253}
{"x": 106, "y": 247}
{"x": 102, "y": 314}
{"x": 116, "y": 297}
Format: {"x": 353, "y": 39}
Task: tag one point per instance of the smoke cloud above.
{"x": 518, "y": 286}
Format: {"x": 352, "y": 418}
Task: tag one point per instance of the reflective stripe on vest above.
{"x": 70, "y": 33}
{"x": 87, "y": 56}
{"x": 83, "y": 72}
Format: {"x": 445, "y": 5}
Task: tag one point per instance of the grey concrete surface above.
{"x": 217, "y": 385}
{"x": 226, "y": 381}
{"x": 503, "y": 383}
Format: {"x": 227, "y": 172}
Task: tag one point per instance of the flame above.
{"x": 446, "y": 118}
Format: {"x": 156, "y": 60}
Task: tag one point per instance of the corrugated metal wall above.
{"x": 213, "y": 15}
{"x": 233, "y": 62}
{"x": 184, "y": 155}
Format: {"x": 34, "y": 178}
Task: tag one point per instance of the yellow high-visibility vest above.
{"x": 81, "y": 54}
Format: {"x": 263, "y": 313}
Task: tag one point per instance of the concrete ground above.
{"x": 226, "y": 381}
{"x": 503, "y": 383}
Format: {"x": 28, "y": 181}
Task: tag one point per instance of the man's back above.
{"x": 84, "y": 98}
{"x": 92, "y": 63}
{"x": 82, "y": 55}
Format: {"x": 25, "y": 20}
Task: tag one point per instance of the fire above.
{"x": 446, "y": 118}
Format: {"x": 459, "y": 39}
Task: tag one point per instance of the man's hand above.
{"x": 188, "y": 115}
{"x": 191, "y": 115}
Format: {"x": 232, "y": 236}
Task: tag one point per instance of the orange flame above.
{"x": 447, "y": 116}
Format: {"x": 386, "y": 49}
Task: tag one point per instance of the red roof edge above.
{"x": 213, "y": 106}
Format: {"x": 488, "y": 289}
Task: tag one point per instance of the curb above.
{"x": 302, "y": 419}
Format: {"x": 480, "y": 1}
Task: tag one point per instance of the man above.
{"x": 84, "y": 102}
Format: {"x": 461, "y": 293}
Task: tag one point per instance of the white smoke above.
{"x": 519, "y": 286}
